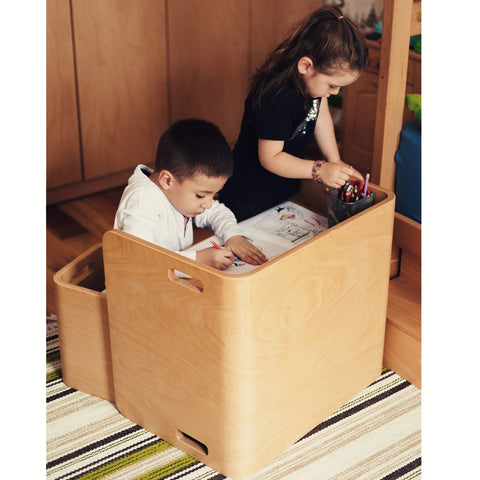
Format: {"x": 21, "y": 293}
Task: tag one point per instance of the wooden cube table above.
{"x": 232, "y": 369}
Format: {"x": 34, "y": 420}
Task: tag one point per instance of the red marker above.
{"x": 218, "y": 247}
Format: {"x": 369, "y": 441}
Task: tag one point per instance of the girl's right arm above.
{"x": 274, "y": 159}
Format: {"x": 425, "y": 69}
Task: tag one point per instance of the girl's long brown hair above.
{"x": 327, "y": 37}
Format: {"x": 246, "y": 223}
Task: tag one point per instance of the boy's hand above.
{"x": 245, "y": 250}
{"x": 335, "y": 174}
{"x": 219, "y": 259}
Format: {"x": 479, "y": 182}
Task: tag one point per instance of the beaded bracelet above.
{"x": 316, "y": 170}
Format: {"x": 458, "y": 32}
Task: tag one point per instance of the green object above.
{"x": 414, "y": 104}
{"x": 417, "y": 45}
{"x": 335, "y": 101}
{"x": 413, "y": 39}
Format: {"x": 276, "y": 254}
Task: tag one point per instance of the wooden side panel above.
{"x": 121, "y": 69}
{"x": 83, "y": 325}
{"x": 403, "y": 354}
{"x": 63, "y": 145}
{"x": 208, "y": 61}
{"x": 404, "y": 306}
{"x": 186, "y": 339}
{"x": 408, "y": 234}
{"x": 318, "y": 326}
{"x": 404, "y": 326}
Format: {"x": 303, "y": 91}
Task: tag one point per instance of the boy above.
{"x": 192, "y": 164}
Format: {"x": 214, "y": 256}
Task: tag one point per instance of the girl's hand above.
{"x": 355, "y": 174}
{"x": 219, "y": 259}
{"x": 245, "y": 250}
{"x": 336, "y": 174}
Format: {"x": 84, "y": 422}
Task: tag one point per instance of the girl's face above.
{"x": 323, "y": 85}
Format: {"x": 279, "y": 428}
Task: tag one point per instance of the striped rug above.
{"x": 374, "y": 436}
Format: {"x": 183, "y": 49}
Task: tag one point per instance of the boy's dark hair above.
{"x": 194, "y": 146}
{"x": 327, "y": 37}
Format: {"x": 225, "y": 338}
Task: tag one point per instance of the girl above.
{"x": 287, "y": 106}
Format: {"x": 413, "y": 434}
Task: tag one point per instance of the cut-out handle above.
{"x": 185, "y": 280}
{"x": 192, "y": 442}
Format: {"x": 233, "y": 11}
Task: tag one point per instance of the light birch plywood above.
{"x": 83, "y": 325}
{"x": 234, "y": 369}
{"x": 403, "y": 334}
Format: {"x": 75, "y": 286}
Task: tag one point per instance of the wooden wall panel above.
{"x": 272, "y": 21}
{"x": 122, "y": 81}
{"x": 212, "y": 82}
{"x": 128, "y": 93}
{"x": 63, "y": 147}
{"x": 208, "y": 60}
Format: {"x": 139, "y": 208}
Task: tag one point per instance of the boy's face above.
{"x": 193, "y": 195}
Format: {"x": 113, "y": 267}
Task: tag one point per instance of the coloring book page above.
{"x": 274, "y": 231}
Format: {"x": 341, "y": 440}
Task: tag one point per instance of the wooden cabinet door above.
{"x": 272, "y": 21}
{"x": 122, "y": 83}
{"x": 215, "y": 46}
{"x": 208, "y": 61}
{"x": 359, "y": 110}
{"x": 63, "y": 146}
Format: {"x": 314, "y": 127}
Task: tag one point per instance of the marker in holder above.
{"x": 345, "y": 202}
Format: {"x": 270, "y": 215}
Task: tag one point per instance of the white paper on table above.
{"x": 274, "y": 231}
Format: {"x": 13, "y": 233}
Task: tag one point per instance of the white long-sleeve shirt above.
{"x": 145, "y": 211}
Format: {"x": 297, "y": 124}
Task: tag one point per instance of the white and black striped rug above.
{"x": 375, "y": 436}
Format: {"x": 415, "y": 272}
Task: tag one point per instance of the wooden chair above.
{"x": 401, "y": 19}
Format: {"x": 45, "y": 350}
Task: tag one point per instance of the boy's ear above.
{"x": 165, "y": 179}
{"x": 305, "y": 65}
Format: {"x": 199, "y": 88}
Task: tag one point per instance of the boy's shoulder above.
{"x": 140, "y": 178}
{"x": 141, "y": 172}
{"x": 140, "y": 188}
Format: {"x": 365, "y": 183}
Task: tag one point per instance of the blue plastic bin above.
{"x": 408, "y": 176}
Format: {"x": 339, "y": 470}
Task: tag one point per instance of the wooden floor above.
{"x": 72, "y": 228}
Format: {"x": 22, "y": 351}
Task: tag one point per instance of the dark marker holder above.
{"x": 339, "y": 210}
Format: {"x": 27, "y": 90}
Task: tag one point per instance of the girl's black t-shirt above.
{"x": 281, "y": 116}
